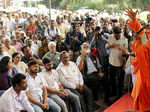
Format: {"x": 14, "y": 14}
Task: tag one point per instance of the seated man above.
{"x": 15, "y": 99}
{"x": 60, "y": 46}
{"x": 52, "y": 54}
{"x": 90, "y": 68}
{"x": 56, "y": 90}
{"x": 43, "y": 49}
{"x": 28, "y": 56}
{"x": 8, "y": 48}
{"x": 71, "y": 78}
{"x": 2, "y": 53}
{"x": 37, "y": 92}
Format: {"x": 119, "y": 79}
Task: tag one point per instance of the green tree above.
{"x": 98, "y": 4}
{"x": 55, "y": 3}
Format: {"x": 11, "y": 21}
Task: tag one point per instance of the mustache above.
{"x": 35, "y": 72}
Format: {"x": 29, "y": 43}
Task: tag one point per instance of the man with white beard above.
{"x": 91, "y": 70}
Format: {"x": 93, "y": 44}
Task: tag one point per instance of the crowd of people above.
{"x": 64, "y": 64}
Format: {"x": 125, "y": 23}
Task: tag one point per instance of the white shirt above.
{"x": 51, "y": 79}
{"x": 68, "y": 26}
{"x": 35, "y": 86}
{"x": 11, "y": 102}
{"x": 34, "y": 48}
{"x": 54, "y": 32}
{"x": 17, "y": 22}
{"x": 46, "y": 33}
{"x": 22, "y": 20}
{"x": 9, "y": 23}
{"x": 10, "y": 51}
{"x": 62, "y": 30}
{"x": 70, "y": 76}
{"x": 21, "y": 67}
{"x": 115, "y": 57}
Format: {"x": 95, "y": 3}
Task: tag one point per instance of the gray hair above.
{"x": 85, "y": 43}
{"x": 51, "y": 43}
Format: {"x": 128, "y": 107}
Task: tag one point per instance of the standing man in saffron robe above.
{"x": 141, "y": 63}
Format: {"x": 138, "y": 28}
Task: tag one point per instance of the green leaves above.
{"x": 112, "y": 5}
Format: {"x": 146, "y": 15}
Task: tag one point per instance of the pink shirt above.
{"x": 18, "y": 47}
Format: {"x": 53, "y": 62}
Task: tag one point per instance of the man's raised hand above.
{"x": 130, "y": 13}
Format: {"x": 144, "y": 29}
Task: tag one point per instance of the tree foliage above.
{"x": 98, "y": 4}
